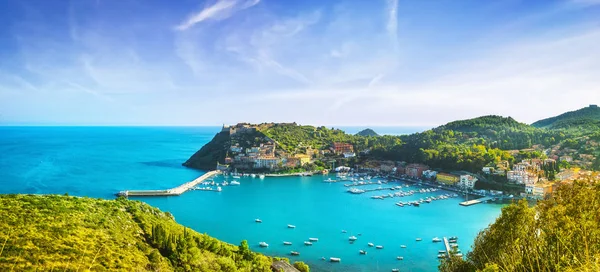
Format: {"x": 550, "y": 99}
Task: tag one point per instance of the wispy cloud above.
{"x": 221, "y": 9}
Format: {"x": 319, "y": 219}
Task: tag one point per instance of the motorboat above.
{"x": 419, "y": 239}
{"x": 436, "y": 240}
{"x": 287, "y": 243}
{"x": 307, "y": 243}
{"x": 402, "y": 246}
{"x": 294, "y": 253}
{"x": 352, "y": 238}
{"x": 261, "y": 176}
{"x": 395, "y": 270}
{"x": 379, "y": 247}
{"x": 233, "y": 182}
{"x": 370, "y": 244}
{"x": 263, "y": 244}
{"x": 313, "y": 239}
{"x": 291, "y": 227}
{"x": 400, "y": 258}
{"x": 219, "y": 189}
{"x": 441, "y": 251}
{"x": 257, "y": 220}
{"x": 344, "y": 231}
{"x": 335, "y": 260}
{"x": 362, "y": 252}
{"x": 441, "y": 256}
{"x": 253, "y": 175}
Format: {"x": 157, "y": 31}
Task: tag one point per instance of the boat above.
{"x": 454, "y": 245}
{"x": 370, "y": 244}
{"x": 400, "y": 258}
{"x": 395, "y": 270}
{"x": 233, "y": 182}
{"x": 458, "y": 254}
{"x": 436, "y": 239}
{"x": 441, "y": 251}
{"x": 362, "y": 252}
{"x": 441, "y": 256}
{"x": 419, "y": 239}
{"x": 236, "y": 177}
{"x": 257, "y": 220}
{"x": 294, "y": 253}
{"x": 379, "y": 247}
{"x": 313, "y": 239}
{"x": 307, "y": 243}
{"x": 253, "y": 175}
{"x": 219, "y": 189}
{"x": 261, "y": 176}
{"x": 330, "y": 180}
{"x": 453, "y": 238}
{"x": 291, "y": 226}
{"x": 402, "y": 246}
{"x": 335, "y": 260}
{"x": 263, "y": 244}
{"x": 352, "y": 238}
{"x": 416, "y": 204}
{"x": 344, "y": 231}
{"x": 287, "y": 243}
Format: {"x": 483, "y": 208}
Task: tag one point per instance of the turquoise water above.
{"x": 99, "y": 161}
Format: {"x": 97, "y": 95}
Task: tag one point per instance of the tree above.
{"x": 301, "y": 266}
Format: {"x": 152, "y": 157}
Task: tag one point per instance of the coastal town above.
{"x": 528, "y": 178}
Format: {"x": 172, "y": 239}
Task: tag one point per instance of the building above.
{"x": 266, "y": 162}
{"x": 467, "y": 181}
{"x": 415, "y": 170}
{"x": 341, "y": 148}
{"x": 429, "y": 174}
{"x": 539, "y": 190}
{"x": 302, "y": 159}
{"x": 349, "y": 155}
{"x": 521, "y": 177}
{"x": 447, "y": 178}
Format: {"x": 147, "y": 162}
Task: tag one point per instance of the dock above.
{"x": 170, "y": 192}
{"x": 475, "y": 201}
{"x": 447, "y": 245}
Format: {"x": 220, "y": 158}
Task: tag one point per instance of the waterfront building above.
{"x": 266, "y": 162}
{"x": 429, "y": 174}
{"x": 467, "y": 181}
{"x": 447, "y": 178}
{"x": 415, "y": 170}
{"x": 539, "y": 190}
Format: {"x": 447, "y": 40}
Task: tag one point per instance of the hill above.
{"x": 586, "y": 119}
{"x": 62, "y": 233}
{"x": 367, "y": 133}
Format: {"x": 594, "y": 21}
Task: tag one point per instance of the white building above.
{"x": 467, "y": 181}
{"x": 429, "y": 174}
{"x": 521, "y": 177}
{"x": 266, "y": 162}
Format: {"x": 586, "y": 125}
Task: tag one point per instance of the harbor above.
{"x": 173, "y": 191}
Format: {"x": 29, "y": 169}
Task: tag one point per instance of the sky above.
{"x": 353, "y": 62}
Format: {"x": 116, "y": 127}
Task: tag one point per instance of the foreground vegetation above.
{"x": 63, "y": 233}
{"x": 561, "y": 233}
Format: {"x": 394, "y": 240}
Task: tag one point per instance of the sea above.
{"x": 101, "y": 161}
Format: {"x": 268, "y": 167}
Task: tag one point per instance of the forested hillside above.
{"x": 585, "y": 119}
{"x": 62, "y": 233}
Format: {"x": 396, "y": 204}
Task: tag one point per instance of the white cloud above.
{"x": 222, "y": 9}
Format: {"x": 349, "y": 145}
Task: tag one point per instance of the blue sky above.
{"x": 354, "y": 62}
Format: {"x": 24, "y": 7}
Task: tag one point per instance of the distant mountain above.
{"x": 583, "y": 119}
{"x": 367, "y": 132}
{"x": 483, "y": 123}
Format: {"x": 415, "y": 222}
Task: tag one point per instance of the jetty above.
{"x": 170, "y": 192}
{"x": 475, "y": 201}
{"x": 447, "y": 245}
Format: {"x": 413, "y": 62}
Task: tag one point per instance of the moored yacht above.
{"x": 362, "y": 252}
{"x": 352, "y": 238}
{"x": 291, "y": 227}
{"x": 436, "y": 239}
{"x": 402, "y": 246}
{"x": 287, "y": 243}
{"x": 335, "y": 260}
{"x": 233, "y": 182}
{"x": 257, "y": 220}
{"x": 313, "y": 239}
{"x": 307, "y": 243}
{"x": 370, "y": 244}
{"x": 261, "y": 176}
{"x": 263, "y": 244}
{"x": 295, "y": 253}
{"x": 379, "y": 247}
{"x": 400, "y": 258}
{"x": 419, "y": 239}
{"x": 253, "y": 175}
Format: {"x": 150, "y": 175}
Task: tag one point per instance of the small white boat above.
{"x": 399, "y": 258}
{"x": 219, "y": 189}
{"x": 257, "y": 220}
{"x": 343, "y": 231}
{"x": 441, "y": 256}
{"x": 335, "y": 260}
{"x": 454, "y": 245}
{"x": 287, "y": 243}
{"x": 313, "y": 239}
{"x": 436, "y": 239}
{"x": 379, "y": 247}
{"x": 261, "y": 176}
{"x": 441, "y": 251}
{"x": 402, "y": 246}
{"x": 233, "y": 182}
{"x": 253, "y": 175}
{"x": 362, "y": 252}
{"x": 294, "y": 253}
{"x": 419, "y": 239}
{"x": 458, "y": 254}
{"x": 352, "y": 238}
{"x": 236, "y": 177}
{"x": 291, "y": 226}
{"x": 263, "y": 244}
{"x": 307, "y": 243}
{"x": 370, "y": 244}
{"x": 395, "y": 270}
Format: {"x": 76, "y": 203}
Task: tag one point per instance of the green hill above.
{"x": 586, "y": 119}
{"x": 367, "y": 133}
{"x": 62, "y": 233}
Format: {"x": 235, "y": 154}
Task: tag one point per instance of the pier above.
{"x": 447, "y": 245}
{"x": 170, "y": 192}
{"x": 475, "y": 201}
